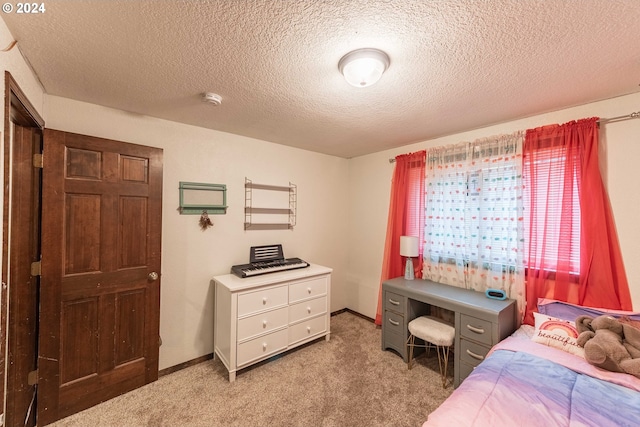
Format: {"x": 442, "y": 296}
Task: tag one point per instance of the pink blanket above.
{"x": 524, "y": 383}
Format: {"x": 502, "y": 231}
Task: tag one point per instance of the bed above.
{"x": 529, "y": 381}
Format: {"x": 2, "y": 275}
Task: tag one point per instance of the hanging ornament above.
{"x": 205, "y": 221}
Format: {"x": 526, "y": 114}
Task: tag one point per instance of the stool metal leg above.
{"x": 410, "y": 345}
{"x": 443, "y": 364}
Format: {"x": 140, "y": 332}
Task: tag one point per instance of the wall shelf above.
{"x": 198, "y": 197}
{"x": 254, "y": 215}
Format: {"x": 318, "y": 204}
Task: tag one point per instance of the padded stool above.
{"x": 434, "y": 332}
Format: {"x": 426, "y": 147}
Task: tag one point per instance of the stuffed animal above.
{"x": 610, "y": 344}
{"x": 631, "y": 331}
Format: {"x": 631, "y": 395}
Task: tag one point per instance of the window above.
{"x": 474, "y": 208}
{"x": 551, "y": 194}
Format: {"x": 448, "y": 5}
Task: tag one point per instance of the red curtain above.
{"x": 560, "y": 161}
{"x": 406, "y": 218}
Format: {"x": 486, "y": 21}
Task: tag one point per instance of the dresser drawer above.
{"x": 394, "y": 323}
{"x": 471, "y": 353}
{"x": 308, "y": 289}
{"x": 307, "y": 329}
{"x": 304, "y": 310}
{"x": 263, "y": 299}
{"x": 260, "y": 323}
{"x": 260, "y": 347}
{"x": 475, "y": 329}
{"x": 394, "y": 302}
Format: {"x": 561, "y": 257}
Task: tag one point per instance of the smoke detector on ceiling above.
{"x": 212, "y": 98}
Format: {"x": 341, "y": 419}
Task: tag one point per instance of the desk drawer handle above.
{"x": 393, "y": 322}
{"x": 394, "y": 302}
{"x": 476, "y": 330}
{"x": 475, "y": 356}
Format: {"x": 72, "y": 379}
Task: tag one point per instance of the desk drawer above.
{"x": 264, "y": 299}
{"x": 394, "y": 323}
{"x": 394, "y": 302}
{"x": 398, "y": 343}
{"x": 472, "y": 353}
{"x": 465, "y": 370}
{"x": 475, "y": 329}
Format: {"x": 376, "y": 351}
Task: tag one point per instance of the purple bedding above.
{"x": 520, "y": 388}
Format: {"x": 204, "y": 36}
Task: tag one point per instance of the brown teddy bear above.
{"x": 610, "y": 344}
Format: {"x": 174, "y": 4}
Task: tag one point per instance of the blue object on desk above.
{"x": 496, "y": 294}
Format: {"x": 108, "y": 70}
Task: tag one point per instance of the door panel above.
{"x": 82, "y": 233}
{"x": 25, "y": 249}
{"x": 101, "y": 239}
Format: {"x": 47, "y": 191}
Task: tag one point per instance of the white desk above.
{"x": 261, "y": 316}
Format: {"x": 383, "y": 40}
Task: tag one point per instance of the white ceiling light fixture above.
{"x": 363, "y": 67}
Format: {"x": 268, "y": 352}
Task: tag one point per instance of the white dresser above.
{"x": 261, "y": 316}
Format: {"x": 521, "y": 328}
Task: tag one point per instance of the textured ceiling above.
{"x": 455, "y": 65}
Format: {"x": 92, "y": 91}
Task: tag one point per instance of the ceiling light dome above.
{"x": 363, "y": 67}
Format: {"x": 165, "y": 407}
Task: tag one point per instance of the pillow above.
{"x": 557, "y": 333}
{"x": 568, "y": 311}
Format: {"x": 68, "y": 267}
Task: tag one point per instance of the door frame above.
{"x": 18, "y": 106}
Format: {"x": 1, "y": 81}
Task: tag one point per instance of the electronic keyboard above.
{"x": 267, "y": 259}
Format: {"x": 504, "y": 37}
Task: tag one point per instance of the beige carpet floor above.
{"x": 348, "y": 381}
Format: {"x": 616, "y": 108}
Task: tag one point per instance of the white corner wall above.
{"x": 370, "y": 186}
{"x": 190, "y": 256}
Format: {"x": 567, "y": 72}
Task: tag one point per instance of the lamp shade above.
{"x": 409, "y": 246}
{"x": 363, "y": 67}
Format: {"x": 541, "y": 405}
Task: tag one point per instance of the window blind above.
{"x": 552, "y": 186}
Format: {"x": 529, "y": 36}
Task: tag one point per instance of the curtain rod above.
{"x": 634, "y": 115}
{"x": 620, "y": 118}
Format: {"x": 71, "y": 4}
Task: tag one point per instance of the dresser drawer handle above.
{"x": 393, "y": 322}
{"x": 308, "y": 329}
{"x": 476, "y": 330}
{"x": 264, "y": 323}
{"x": 475, "y": 356}
{"x": 309, "y": 310}
{"x": 264, "y": 300}
{"x": 264, "y": 346}
{"x": 309, "y": 290}
{"x": 394, "y": 302}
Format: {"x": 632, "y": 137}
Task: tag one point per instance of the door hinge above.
{"x": 32, "y": 377}
{"x": 36, "y": 268}
{"x": 38, "y": 161}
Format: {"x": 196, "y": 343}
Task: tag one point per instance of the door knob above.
{"x": 153, "y": 276}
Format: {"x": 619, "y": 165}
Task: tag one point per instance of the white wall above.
{"x": 370, "y": 186}
{"x": 190, "y": 256}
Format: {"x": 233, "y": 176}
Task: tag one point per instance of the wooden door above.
{"x": 100, "y": 293}
{"x": 24, "y": 283}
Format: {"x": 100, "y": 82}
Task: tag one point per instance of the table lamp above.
{"x": 409, "y": 249}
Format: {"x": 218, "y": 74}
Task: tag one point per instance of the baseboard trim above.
{"x": 189, "y": 363}
{"x": 355, "y": 313}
